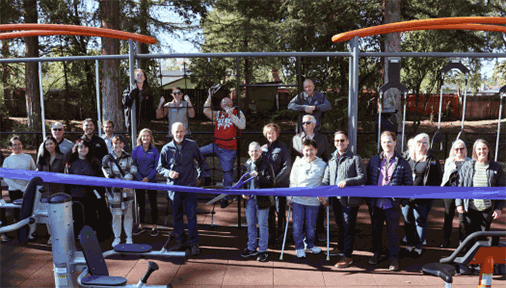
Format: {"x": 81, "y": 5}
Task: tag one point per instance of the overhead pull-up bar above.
{"x": 58, "y": 29}
{"x": 454, "y": 23}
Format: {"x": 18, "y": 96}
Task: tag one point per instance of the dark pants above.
{"x": 140, "y": 195}
{"x": 85, "y": 214}
{"x": 276, "y": 232}
{"x": 320, "y": 221}
{"x": 478, "y": 220}
{"x": 346, "y": 219}
{"x": 448, "y": 224}
{"x": 189, "y": 202}
{"x": 13, "y": 195}
{"x": 415, "y": 215}
{"x": 392, "y": 218}
{"x": 104, "y": 215}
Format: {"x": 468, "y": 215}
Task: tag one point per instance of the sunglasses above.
{"x": 57, "y": 129}
{"x": 177, "y": 93}
{"x": 340, "y": 140}
{"x": 307, "y": 123}
{"x": 459, "y": 149}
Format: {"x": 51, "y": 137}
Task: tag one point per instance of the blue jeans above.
{"x": 254, "y": 216}
{"x": 392, "y": 217}
{"x": 226, "y": 158}
{"x": 346, "y": 220}
{"x": 415, "y": 221}
{"x": 189, "y": 202}
{"x": 301, "y": 213}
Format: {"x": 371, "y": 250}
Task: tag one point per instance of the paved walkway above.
{"x": 220, "y": 265}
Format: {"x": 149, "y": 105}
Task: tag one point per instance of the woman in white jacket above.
{"x": 306, "y": 172}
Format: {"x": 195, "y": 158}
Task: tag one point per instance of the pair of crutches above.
{"x": 286, "y": 232}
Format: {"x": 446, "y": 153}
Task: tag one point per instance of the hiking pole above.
{"x": 328, "y": 233}
{"x": 286, "y": 231}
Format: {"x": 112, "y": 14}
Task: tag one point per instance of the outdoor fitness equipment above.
{"x": 438, "y": 136}
{"x": 484, "y": 253}
{"x": 33, "y": 211}
{"x": 67, "y": 260}
{"x": 502, "y": 93}
{"x": 394, "y": 70}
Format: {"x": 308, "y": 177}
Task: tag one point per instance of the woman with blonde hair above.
{"x": 146, "y": 158}
{"x": 458, "y": 155}
{"x": 426, "y": 172}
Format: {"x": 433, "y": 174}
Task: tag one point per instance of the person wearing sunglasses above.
{"x": 311, "y": 102}
{"x": 345, "y": 168}
{"x": 458, "y": 155}
{"x": 178, "y": 110}
{"x": 144, "y": 104}
{"x": 323, "y": 151}
{"x": 65, "y": 145}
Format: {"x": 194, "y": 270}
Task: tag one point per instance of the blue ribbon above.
{"x": 496, "y": 193}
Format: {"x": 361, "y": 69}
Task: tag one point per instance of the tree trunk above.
{"x": 31, "y": 70}
{"x": 112, "y": 108}
{"x": 143, "y": 27}
{"x": 392, "y": 98}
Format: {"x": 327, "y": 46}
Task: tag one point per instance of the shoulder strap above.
{"x": 117, "y": 164}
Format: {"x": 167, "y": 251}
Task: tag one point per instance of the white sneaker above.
{"x": 129, "y": 240}
{"x": 314, "y": 250}
{"x": 301, "y": 253}
{"x": 116, "y": 242}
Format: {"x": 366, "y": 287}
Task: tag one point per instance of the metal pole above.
{"x": 353, "y": 114}
{"x": 42, "y": 112}
{"x": 380, "y": 109}
{"x": 238, "y": 158}
{"x": 299, "y": 100}
{"x": 498, "y": 127}
{"x": 404, "y": 122}
{"x": 97, "y": 87}
{"x": 131, "y": 63}
{"x": 440, "y": 101}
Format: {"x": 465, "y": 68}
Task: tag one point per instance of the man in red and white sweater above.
{"x": 227, "y": 123}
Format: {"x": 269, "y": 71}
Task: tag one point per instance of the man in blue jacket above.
{"x": 178, "y": 164}
{"x": 311, "y": 102}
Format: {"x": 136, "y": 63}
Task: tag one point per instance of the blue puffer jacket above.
{"x": 401, "y": 176}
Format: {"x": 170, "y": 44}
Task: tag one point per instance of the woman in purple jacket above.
{"x": 146, "y": 158}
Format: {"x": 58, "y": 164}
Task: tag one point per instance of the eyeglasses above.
{"x": 307, "y": 123}
{"x": 57, "y": 129}
{"x": 340, "y": 140}
{"x": 459, "y": 149}
{"x": 177, "y": 93}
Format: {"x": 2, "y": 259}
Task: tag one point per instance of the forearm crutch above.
{"x": 328, "y": 234}
{"x": 286, "y": 231}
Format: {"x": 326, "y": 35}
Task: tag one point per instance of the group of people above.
{"x": 308, "y": 161}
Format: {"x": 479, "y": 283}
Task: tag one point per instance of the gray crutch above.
{"x": 286, "y": 231}
{"x": 328, "y": 235}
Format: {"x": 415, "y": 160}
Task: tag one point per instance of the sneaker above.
{"x": 410, "y": 248}
{"x": 374, "y": 259}
{"x": 248, "y": 253}
{"x": 115, "y": 242}
{"x": 424, "y": 242}
{"x": 50, "y": 241}
{"x": 5, "y": 238}
{"x": 417, "y": 252}
{"x": 262, "y": 256}
{"x": 195, "y": 250}
{"x": 394, "y": 264}
{"x": 154, "y": 232}
{"x": 336, "y": 252}
{"x": 177, "y": 246}
{"x": 138, "y": 231}
{"x": 314, "y": 250}
{"x": 404, "y": 240}
{"x": 301, "y": 253}
{"x": 129, "y": 240}
{"x": 344, "y": 262}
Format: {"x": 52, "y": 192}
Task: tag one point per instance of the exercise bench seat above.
{"x": 133, "y": 248}
{"x": 99, "y": 274}
{"x": 445, "y": 271}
